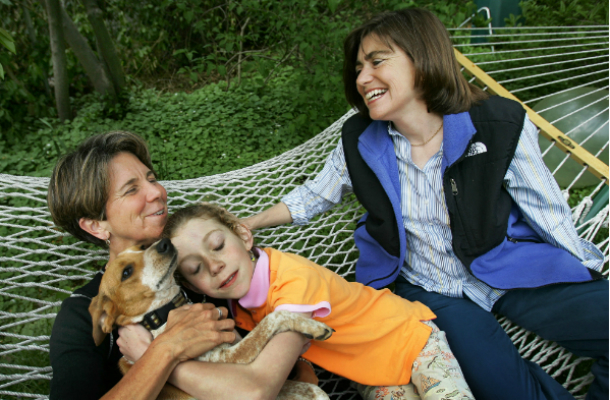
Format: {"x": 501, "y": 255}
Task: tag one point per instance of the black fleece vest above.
{"x": 477, "y": 202}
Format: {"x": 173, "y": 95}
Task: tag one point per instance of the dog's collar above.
{"x": 157, "y": 318}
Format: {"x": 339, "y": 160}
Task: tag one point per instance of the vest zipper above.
{"x": 454, "y": 189}
{"x": 383, "y": 277}
{"x": 513, "y": 240}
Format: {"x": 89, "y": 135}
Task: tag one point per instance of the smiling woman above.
{"x": 462, "y": 213}
{"x": 106, "y": 193}
{"x": 83, "y": 181}
{"x": 385, "y": 79}
{"x": 136, "y": 208}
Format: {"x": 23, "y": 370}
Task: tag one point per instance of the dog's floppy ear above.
{"x": 103, "y": 314}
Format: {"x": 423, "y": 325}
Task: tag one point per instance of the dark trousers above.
{"x": 573, "y": 315}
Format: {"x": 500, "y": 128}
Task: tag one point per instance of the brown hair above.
{"x": 423, "y": 37}
{"x": 203, "y": 211}
{"x": 80, "y": 184}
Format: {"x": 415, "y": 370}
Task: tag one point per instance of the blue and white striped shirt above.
{"x": 430, "y": 260}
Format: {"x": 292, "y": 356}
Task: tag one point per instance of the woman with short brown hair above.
{"x": 106, "y": 193}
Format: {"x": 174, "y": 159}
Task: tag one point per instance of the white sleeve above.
{"x": 535, "y": 190}
{"x": 321, "y": 193}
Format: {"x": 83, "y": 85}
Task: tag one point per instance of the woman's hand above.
{"x": 133, "y": 341}
{"x": 194, "y": 329}
{"x": 191, "y": 330}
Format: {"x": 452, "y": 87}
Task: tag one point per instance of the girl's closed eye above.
{"x": 217, "y": 241}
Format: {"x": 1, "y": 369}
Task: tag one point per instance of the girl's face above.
{"x": 213, "y": 259}
{"x": 385, "y": 80}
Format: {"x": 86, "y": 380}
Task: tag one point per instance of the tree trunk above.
{"x": 32, "y": 35}
{"x": 93, "y": 67}
{"x": 105, "y": 45}
{"x": 58, "y": 49}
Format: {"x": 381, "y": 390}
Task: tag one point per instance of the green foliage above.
{"x": 178, "y": 44}
{"x": 7, "y": 41}
{"x": 193, "y": 43}
{"x": 565, "y": 12}
{"x": 208, "y": 131}
{"x": 24, "y": 98}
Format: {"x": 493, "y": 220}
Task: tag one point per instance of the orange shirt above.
{"x": 378, "y": 334}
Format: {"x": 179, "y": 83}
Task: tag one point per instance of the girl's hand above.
{"x": 133, "y": 341}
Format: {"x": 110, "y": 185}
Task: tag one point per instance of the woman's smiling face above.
{"x": 213, "y": 259}
{"x": 136, "y": 210}
{"x": 386, "y": 79}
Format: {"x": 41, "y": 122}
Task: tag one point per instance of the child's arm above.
{"x": 262, "y": 379}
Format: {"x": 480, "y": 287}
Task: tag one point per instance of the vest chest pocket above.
{"x": 478, "y": 205}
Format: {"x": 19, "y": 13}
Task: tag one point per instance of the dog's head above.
{"x": 137, "y": 281}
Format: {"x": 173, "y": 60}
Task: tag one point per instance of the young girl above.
{"x": 380, "y": 339}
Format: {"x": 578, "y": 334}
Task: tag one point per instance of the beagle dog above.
{"x": 139, "y": 287}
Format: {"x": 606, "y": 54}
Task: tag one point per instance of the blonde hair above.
{"x": 203, "y": 211}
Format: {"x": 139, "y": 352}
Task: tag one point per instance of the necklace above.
{"x": 431, "y": 137}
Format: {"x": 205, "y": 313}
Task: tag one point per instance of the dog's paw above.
{"x": 282, "y": 321}
{"x": 323, "y": 333}
{"x": 312, "y": 329}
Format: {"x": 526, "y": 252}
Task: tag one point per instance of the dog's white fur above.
{"x": 141, "y": 280}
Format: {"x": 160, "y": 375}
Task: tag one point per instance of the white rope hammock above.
{"x": 39, "y": 266}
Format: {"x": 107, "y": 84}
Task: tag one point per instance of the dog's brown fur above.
{"x": 141, "y": 280}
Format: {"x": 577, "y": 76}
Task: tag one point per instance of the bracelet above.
{"x": 305, "y": 361}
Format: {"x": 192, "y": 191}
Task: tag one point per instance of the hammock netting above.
{"x": 40, "y": 265}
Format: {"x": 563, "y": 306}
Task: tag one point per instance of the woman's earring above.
{"x": 108, "y": 241}
{"x": 252, "y": 257}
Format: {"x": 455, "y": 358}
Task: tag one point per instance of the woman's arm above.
{"x": 191, "y": 330}
{"x": 312, "y": 198}
{"x": 535, "y": 191}
{"x": 275, "y": 215}
{"x": 71, "y": 347}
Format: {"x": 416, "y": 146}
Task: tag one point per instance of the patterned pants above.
{"x": 436, "y": 375}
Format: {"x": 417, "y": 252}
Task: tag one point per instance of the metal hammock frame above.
{"x": 40, "y": 265}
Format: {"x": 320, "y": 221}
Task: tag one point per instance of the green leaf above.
{"x": 1, "y": 72}
{"x": 332, "y": 5}
{"x": 7, "y": 41}
{"x": 188, "y": 16}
